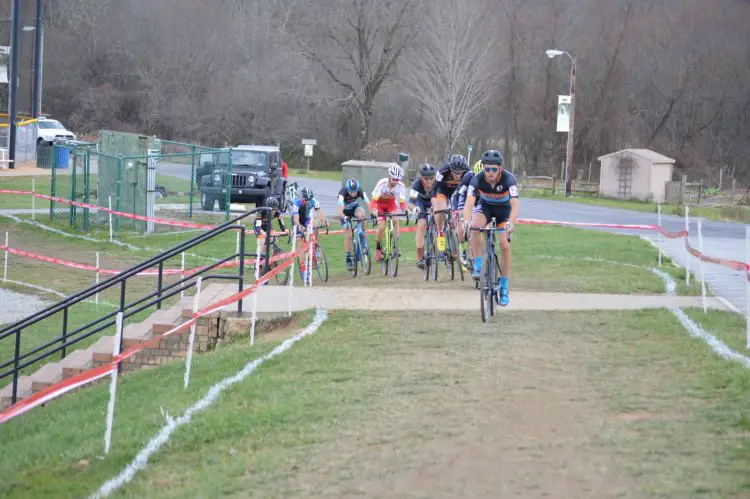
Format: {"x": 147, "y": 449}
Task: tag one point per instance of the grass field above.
{"x": 321, "y": 174}
{"x": 562, "y": 404}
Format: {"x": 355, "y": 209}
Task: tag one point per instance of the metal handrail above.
{"x": 67, "y": 339}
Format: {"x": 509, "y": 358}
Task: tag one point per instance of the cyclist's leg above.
{"x": 478, "y": 220}
{"x": 380, "y": 232}
{"x": 421, "y": 230}
{"x": 348, "y": 233}
{"x": 440, "y": 202}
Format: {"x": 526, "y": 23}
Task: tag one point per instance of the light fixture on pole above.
{"x": 552, "y": 53}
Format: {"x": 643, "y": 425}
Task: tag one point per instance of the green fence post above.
{"x": 73, "y": 191}
{"x": 119, "y": 193}
{"x": 86, "y": 173}
{"x": 192, "y": 184}
{"x": 52, "y": 192}
{"x": 228, "y": 200}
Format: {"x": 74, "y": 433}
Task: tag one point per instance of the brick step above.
{"x": 75, "y": 363}
{"x": 24, "y": 390}
{"x": 47, "y": 375}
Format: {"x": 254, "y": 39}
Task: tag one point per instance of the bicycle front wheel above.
{"x": 393, "y": 260}
{"x": 450, "y": 247}
{"x": 356, "y": 254}
{"x": 364, "y": 260}
{"x": 282, "y": 277}
{"x": 486, "y": 302}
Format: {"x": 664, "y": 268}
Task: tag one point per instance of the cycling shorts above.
{"x": 500, "y": 212}
{"x": 350, "y": 212}
{"x": 424, "y": 205}
{"x": 386, "y": 205}
{"x": 444, "y": 192}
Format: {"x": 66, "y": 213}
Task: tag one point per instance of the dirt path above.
{"x": 273, "y": 299}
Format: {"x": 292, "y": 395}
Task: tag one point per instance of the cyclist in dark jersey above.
{"x": 420, "y": 197}
{"x": 446, "y": 183}
{"x": 493, "y": 193}
{"x": 459, "y": 201}
{"x": 348, "y": 201}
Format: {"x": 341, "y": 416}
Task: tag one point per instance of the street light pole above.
{"x": 36, "y": 104}
{"x": 569, "y": 147}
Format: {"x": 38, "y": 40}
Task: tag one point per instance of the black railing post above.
{"x": 241, "y": 277}
{"x": 65, "y": 331}
{"x": 122, "y": 309}
{"x": 15, "y": 367}
{"x": 158, "y": 291}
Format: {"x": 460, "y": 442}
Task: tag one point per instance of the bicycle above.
{"x": 489, "y": 282}
{"x": 319, "y": 260}
{"x": 360, "y": 247}
{"x": 430, "y": 249}
{"x": 449, "y": 248}
{"x": 390, "y": 248}
{"x": 282, "y": 277}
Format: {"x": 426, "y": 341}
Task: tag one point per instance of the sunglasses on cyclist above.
{"x": 491, "y": 169}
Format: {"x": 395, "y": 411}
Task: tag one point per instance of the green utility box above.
{"x": 123, "y": 175}
{"x": 367, "y": 172}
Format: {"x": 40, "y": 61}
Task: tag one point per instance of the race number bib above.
{"x": 513, "y": 190}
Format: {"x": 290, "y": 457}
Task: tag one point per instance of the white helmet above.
{"x": 396, "y": 172}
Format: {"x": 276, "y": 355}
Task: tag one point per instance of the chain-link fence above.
{"x": 26, "y": 135}
{"x": 189, "y": 186}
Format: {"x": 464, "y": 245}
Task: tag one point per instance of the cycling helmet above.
{"x": 396, "y": 172}
{"x": 272, "y": 202}
{"x": 478, "y": 167}
{"x": 458, "y": 164}
{"x": 427, "y": 170}
{"x": 492, "y": 157}
{"x": 306, "y": 193}
{"x": 352, "y": 185}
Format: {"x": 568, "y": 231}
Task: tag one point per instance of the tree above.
{"x": 451, "y": 71}
{"x": 358, "y": 47}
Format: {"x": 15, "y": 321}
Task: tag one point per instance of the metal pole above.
{"x": 687, "y": 243}
{"x": 569, "y": 161}
{"x": 15, "y": 35}
{"x": 38, "y": 54}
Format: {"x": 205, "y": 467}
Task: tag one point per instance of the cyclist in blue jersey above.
{"x": 492, "y": 193}
{"x": 301, "y": 210}
{"x": 348, "y": 201}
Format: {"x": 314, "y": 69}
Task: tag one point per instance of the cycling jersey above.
{"x": 349, "y": 200}
{"x": 445, "y": 184}
{"x": 262, "y": 222}
{"x": 421, "y": 198}
{"x": 463, "y": 189}
{"x": 304, "y": 210}
{"x": 494, "y": 201}
{"x": 388, "y": 198}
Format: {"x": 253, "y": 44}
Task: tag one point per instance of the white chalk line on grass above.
{"x": 161, "y": 438}
{"x": 57, "y": 293}
{"x": 132, "y": 247}
{"x": 696, "y": 330}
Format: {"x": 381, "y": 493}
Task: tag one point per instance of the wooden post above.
{"x": 553, "y": 186}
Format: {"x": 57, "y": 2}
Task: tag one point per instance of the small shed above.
{"x": 635, "y": 174}
{"x": 367, "y": 172}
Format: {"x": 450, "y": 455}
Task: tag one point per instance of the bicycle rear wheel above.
{"x": 321, "y": 266}
{"x": 282, "y": 277}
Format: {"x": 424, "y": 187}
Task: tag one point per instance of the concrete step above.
{"x": 76, "y": 363}
{"x": 101, "y": 351}
{"x": 24, "y": 390}
{"x": 164, "y": 320}
{"x": 47, "y": 375}
{"x": 133, "y": 334}
{"x": 209, "y": 294}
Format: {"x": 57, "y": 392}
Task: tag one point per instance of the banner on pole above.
{"x": 563, "y": 113}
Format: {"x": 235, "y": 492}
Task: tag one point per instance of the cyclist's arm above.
{"x": 515, "y": 203}
{"x": 469, "y": 206}
{"x": 402, "y": 196}
{"x": 282, "y": 226}
{"x": 341, "y": 205}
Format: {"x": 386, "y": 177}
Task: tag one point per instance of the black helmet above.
{"x": 492, "y": 157}
{"x": 458, "y": 164}
{"x": 427, "y": 170}
{"x": 307, "y": 193}
{"x": 272, "y": 202}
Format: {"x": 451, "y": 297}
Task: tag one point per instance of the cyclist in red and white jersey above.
{"x": 388, "y": 196}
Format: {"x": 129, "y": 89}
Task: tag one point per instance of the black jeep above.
{"x": 255, "y": 175}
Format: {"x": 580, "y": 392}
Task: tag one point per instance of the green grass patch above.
{"x": 629, "y": 399}
{"x": 7, "y": 201}
{"x": 321, "y": 174}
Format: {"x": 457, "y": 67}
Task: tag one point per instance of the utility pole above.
{"x": 569, "y": 160}
{"x": 15, "y": 35}
{"x": 36, "y": 105}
